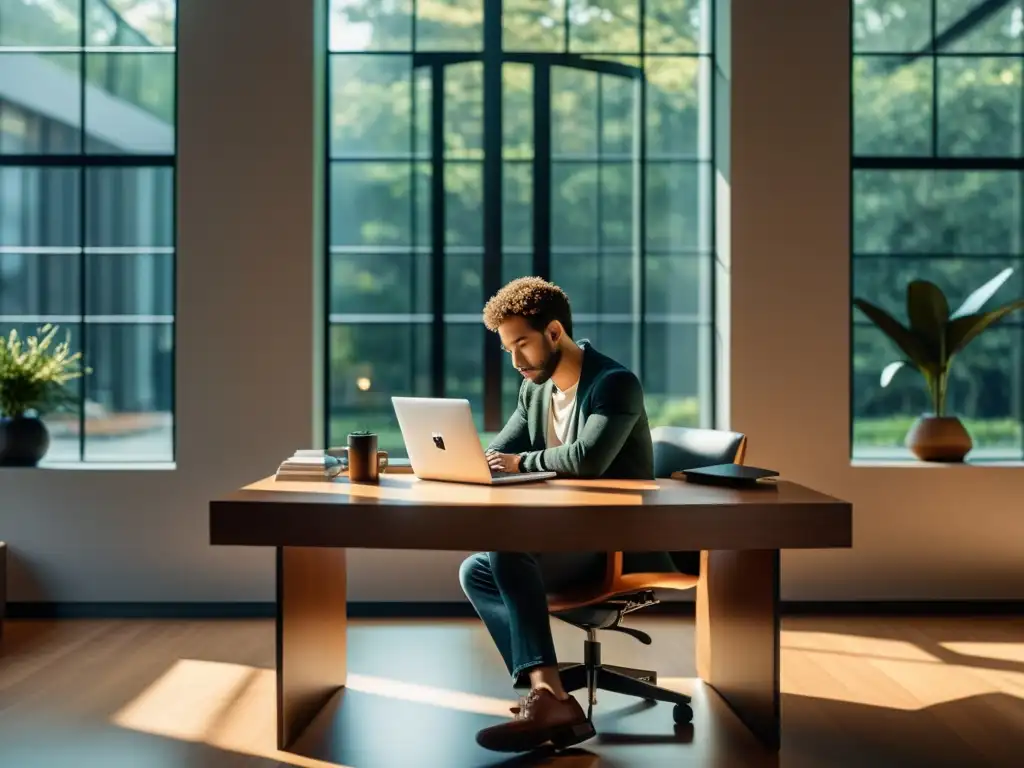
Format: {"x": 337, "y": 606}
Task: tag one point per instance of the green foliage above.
{"x": 953, "y": 228}
{"x": 34, "y": 373}
{"x": 935, "y": 336}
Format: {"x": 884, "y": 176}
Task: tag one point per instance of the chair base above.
{"x": 641, "y": 683}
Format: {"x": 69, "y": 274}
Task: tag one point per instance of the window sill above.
{"x": 98, "y": 466}
{"x": 918, "y": 464}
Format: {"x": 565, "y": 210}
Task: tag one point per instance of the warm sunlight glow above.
{"x": 855, "y": 645}
{"x": 228, "y": 706}
{"x": 1000, "y": 651}
{"x": 425, "y": 694}
{"x": 232, "y": 706}
{"x": 889, "y": 673}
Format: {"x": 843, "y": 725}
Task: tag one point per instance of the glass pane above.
{"x": 129, "y": 394}
{"x": 370, "y": 204}
{"x": 617, "y": 125}
{"x": 678, "y": 108}
{"x": 607, "y": 26}
{"x": 41, "y": 109}
{"x": 129, "y": 207}
{"x": 368, "y": 365}
{"x": 517, "y": 111}
{"x": 677, "y": 373}
{"x": 678, "y": 196}
{"x": 883, "y": 280}
{"x": 450, "y": 25}
{"x": 463, "y": 111}
{"x": 597, "y": 283}
{"x": 63, "y": 424}
{"x": 574, "y": 195}
{"x": 573, "y": 112}
{"x": 515, "y": 265}
{"x": 463, "y": 187}
{"x": 942, "y": 212}
{"x": 892, "y": 26}
{"x": 980, "y": 106}
{"x": 31, "y": 23}
{"x": 678, "y": 26}
{"x": 679, "y": 285}
{"x": 615, "y": 339}
{"x": 37, "y": 284}
{"x": 984, "y": 391}
{"x": 371, "y": 106}
{"x": 463, "y": 283}
{"x": 380, "y": 283}
{"x": 617, "y": 214}
{"x": 130, "y": 284}
{"x": 533, "y": 25}
{"x": 130, "y": 107}
{"x": 464, "y": 365}
{"x": 40, "y": 207}
{"x": 999, "y": 31}
{"x": 370, "y": 25}
{"x": 511, "y": 382}
{"x": 517, "y": 205}
{"x": 130, "y": 22}
{"x": 892, "y": 106}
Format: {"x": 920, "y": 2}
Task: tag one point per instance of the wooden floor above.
{"x": 856, "y": 692}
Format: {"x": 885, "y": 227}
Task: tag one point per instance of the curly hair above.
{"x": 532, "y": 298}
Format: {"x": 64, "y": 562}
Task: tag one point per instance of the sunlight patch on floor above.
{"x": 232, "y": 706}
{"x": 856, "y": 645}
{"x": 989, "y": 650}
{"x": 227, "y": 706}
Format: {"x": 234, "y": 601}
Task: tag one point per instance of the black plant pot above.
{"x": 24, "y": 440}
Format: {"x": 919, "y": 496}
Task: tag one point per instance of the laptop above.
{"x": 443, "y": 443}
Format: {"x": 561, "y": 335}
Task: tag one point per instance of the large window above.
{"x": 87, "y": 164}
{"x": 472, "y": 142}
{"x": 938, "y": 102}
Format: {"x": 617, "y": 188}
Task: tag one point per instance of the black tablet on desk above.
{"x": 729, "y": 475}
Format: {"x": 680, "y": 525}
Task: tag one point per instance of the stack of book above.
{"x": 311, "y": 464}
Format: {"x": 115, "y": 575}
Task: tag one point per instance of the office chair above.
{"x": 602, "y": 606}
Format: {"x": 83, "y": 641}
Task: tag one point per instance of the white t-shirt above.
{"x": 562, "y": 415}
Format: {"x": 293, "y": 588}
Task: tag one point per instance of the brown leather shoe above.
{"x": 541, "y": 718}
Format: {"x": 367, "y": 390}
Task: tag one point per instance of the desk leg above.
{"x": 738, "y": 635}
{"x": 312, "y": 616}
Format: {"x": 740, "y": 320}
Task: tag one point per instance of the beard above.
{"x": 547, "y": 368}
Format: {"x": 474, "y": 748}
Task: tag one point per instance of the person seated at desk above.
{"x": 581, "y": 414}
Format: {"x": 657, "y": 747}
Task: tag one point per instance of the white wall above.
{"x": 246, "y": 364}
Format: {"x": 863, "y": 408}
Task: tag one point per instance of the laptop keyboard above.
{"x": 499, "y": 475}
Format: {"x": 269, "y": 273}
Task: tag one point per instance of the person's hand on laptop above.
{"x": 503, "y": 462}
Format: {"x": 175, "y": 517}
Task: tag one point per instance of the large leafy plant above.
{"x": 936, "y": 336}
{"x": 34, "y": 372}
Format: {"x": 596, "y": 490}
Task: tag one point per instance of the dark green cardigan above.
{"x": 612, "y": 438}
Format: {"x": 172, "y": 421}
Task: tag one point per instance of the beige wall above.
{"x": 943, "y": 532}
{"x": 246, "y": 348}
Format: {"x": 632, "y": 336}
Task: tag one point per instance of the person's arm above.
{"x": 618, "y": 402}
{"x": 515, "y": 435}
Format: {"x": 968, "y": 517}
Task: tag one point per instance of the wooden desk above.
{"x": 740, "y": 534}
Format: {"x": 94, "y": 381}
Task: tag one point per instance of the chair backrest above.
{"x": 677, "y": 448}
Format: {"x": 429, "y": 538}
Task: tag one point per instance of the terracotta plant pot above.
{"x": 939, "y": 438}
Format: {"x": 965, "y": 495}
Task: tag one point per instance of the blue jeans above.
{"x": 509, "y": 592}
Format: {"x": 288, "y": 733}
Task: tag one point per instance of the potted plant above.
{"x": 33, "y": 380}
{"x": 931, "y": 343}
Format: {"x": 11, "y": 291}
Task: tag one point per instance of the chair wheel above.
{"x": 682, "y": 714}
